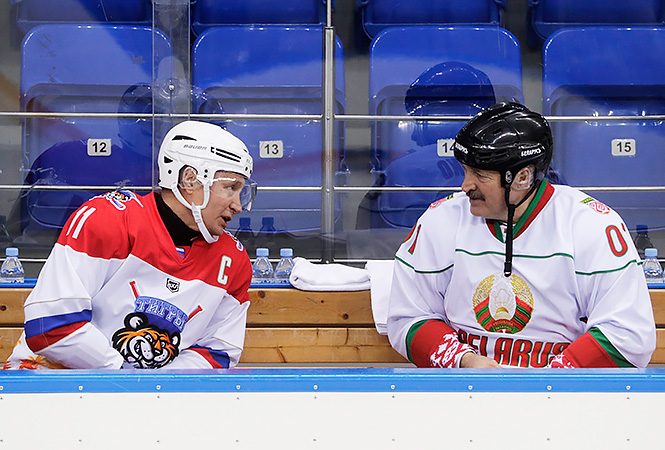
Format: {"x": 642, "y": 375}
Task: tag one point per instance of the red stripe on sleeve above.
{"x": 208, "y": 357}
{"x": 41, "y": 341}
{"x": 586, "y": 351}
{"x": 426, "y": 340}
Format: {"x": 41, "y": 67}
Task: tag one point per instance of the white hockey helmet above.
{"x": 207, "y": 148}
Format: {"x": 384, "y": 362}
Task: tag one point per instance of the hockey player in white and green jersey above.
{"x": 515, "y": 271}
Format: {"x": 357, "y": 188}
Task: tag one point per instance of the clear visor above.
{"x": 228, "y": 187}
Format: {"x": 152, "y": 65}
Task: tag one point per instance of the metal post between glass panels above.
{"x": 327, "y": 166}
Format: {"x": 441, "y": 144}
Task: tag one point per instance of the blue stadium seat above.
{"x": 31, "y": 13}
{"x": 213, "y": 13}
{"x": 547, "y": 16}
{"x": 454, "y": 71}
{"x": 87, "y": 69}
{"x": 380, "y": 14}
{"x": 272, "y": 70}
{"x": 609, "y": 71}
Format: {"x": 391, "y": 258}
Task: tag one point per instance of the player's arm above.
{"x": 417, "y": 327}
{"x": 620, "y": 329}
{"x": 433, "y": 343}
{"x": 592, "y": 349}
{"x": 222, "y": 342}
{"x": 620, "y": 324}
{"x": 58, "y": 312}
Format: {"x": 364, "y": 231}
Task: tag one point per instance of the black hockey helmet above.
{"x": 505, "y": 137}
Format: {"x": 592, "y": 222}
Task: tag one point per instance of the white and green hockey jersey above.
{"x": 575, "y": 273}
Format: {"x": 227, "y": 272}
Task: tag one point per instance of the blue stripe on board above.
{"x": 30, "y": 283}
{"x": 336, "y": 380}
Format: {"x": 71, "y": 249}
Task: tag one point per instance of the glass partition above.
{"x": 349, "y": 109}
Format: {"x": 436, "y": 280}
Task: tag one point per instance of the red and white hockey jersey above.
{"x": 115, "y": 292}
{"x": 577, "y": 286}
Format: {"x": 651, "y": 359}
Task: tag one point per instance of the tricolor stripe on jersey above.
{"x": 216, "y": 358}
{"x": 44, "y": 331}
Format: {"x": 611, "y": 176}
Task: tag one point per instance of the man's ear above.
{"x": 188, "y": 181}
{"x": 524, "y": 178}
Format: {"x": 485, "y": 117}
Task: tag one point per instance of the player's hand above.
{"x": 472, "y": 361}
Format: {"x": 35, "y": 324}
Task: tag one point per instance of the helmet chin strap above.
{"x": 508, "y": 265}
{"x": 196, "y": 211}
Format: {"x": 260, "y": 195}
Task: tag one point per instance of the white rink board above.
{"x": 331, "y": 420}
{"x": 262, "y": 409}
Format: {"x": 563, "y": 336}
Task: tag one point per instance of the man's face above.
{"x": 483, "y": 187}
{"x": 224, "y": 201}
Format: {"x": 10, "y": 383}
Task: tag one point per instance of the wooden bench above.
{"x": 300, "y": 327}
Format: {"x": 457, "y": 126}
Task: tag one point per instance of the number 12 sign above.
{"x": 99, "y": 147}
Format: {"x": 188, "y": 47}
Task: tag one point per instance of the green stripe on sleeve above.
{"x": 409, "y": 336}
{"x": 609, "y": 348}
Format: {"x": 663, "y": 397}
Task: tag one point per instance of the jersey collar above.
{"x": 543, "y": 195}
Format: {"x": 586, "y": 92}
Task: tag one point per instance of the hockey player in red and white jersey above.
{"x": 150, "y": 281}
{"x": 515, "y": 271}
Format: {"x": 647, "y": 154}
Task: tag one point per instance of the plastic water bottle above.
{"x": 284, "y": 266}
{"x": 642, "y": 240}
{"x": 262, "y": 271}
{"x": 244, "y": 233}
{"x": 12, "y": 269}
{"x": 267, "y": 234}
{"x": 652, "y": 268}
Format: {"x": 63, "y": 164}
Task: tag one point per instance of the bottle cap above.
{"x": 642, "y": 228}
{"x": 11, "y": 251}
{"x": 262, "y": 252}
{"x": 286, "y": 252}
{"x": 651, "y": 252}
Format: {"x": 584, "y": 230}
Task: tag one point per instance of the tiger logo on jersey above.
{"x": 145, "y": 345}
{"x": 503, "y": 305}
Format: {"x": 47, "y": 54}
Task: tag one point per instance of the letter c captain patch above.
{"x": 223, "y": 278}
